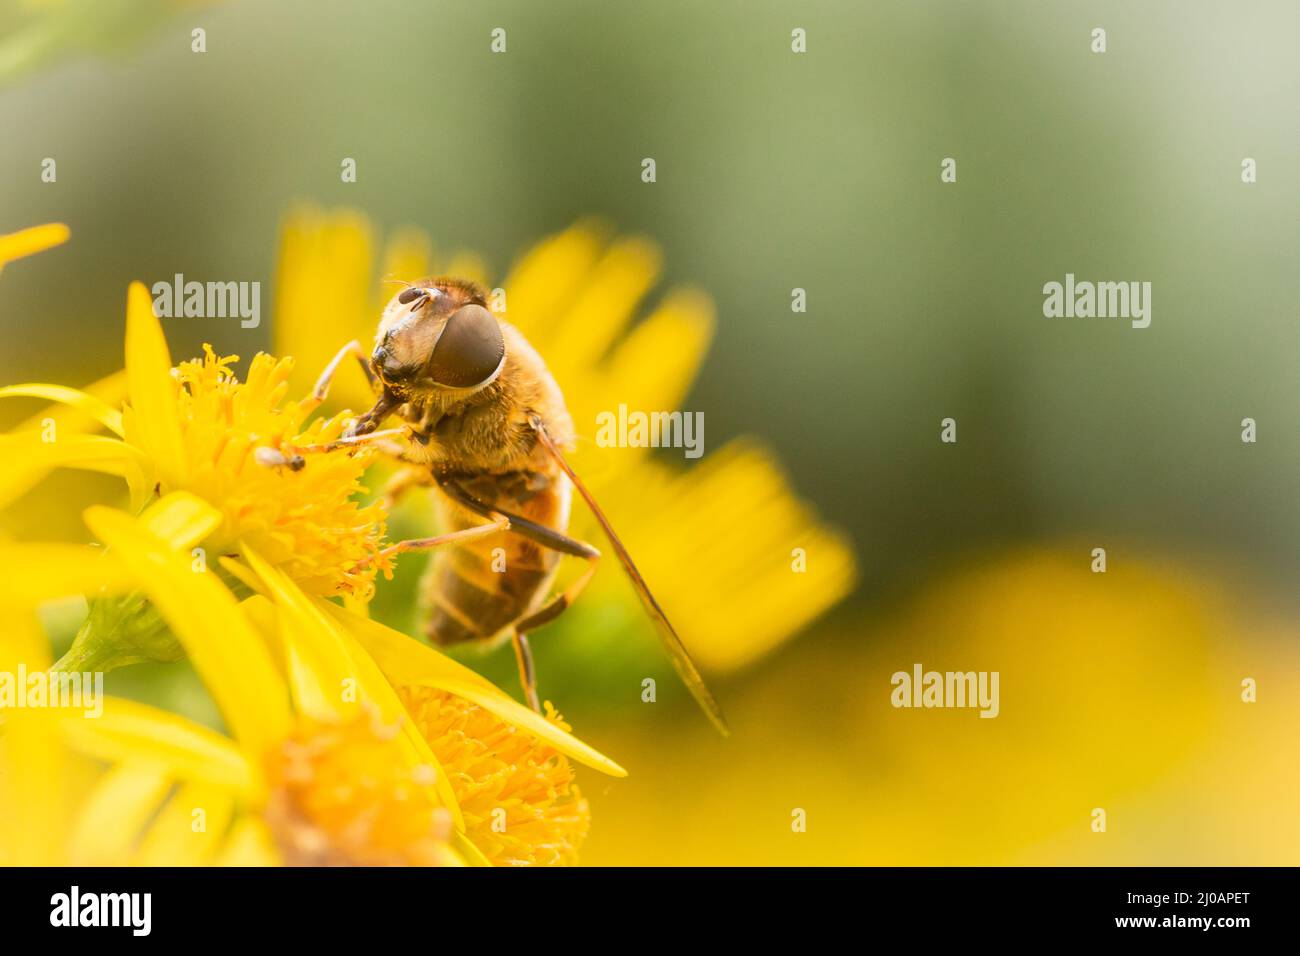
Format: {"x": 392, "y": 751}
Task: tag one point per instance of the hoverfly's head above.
{"x": 438, "y": 334}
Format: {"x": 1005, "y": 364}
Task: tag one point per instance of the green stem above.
{"x": 85, "y": 655}
{"x": 120, "y": 630}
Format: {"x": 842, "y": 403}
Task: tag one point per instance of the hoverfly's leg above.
{"x": 544, "y": 615}
{"x": 322, "y": 389}
{"x": 547, "y": 538}
{"x": 352, "y": 441}
{"x": 527, "y": 674}
{"x": 367, "y": 423}
{"x": 557, "y": 605}
{"x": 539, "y": 533}
{"x": 402, "y": 482}
{"x": 497, "y": 524}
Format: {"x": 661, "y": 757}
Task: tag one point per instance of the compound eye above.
{"x": 470, "y": 351}
{"x": 410, "y": 295}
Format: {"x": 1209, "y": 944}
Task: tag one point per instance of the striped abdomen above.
{"x": 475, "y": 590}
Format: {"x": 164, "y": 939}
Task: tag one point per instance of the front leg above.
{"x": 367, "y": 423}
{"x": 381, "y": 440}
{"x": 322, "y": 388}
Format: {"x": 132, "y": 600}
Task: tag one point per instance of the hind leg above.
{"x": 550, "y": 539}
{"x": 544, "y": 615}
{"x": 527, "y": 673}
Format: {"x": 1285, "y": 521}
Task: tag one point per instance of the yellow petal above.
{"x": 101, "y": 411}
{"x": 602, "y": 308}
{"x": 311, "y": 695}
{"x": 249, "y": 844}
{"x": 22, "y": 640}
{"x": 408, "y": 662}
{"x": 130, "y": 732}
{"x": 547, "y": 276}
{"x": 408, "y": 257}
{"x": 27, "y": 242}
{"x": 66, "y": 421}
{"x": 111, "y": 390}
{"x": 262, "y": 614}
{"x": 31, "y": 574}
{"x": 469, "y": 266}
{"x": 181, "y": 519}
{"x": 738, "y": 518}
{"x": 315, "y": 688}
{"x": 356, "y": 605}
{"x": 189, "y": 830}
{"x": 677, "y": 334}
{"x": 242, "y": 573}
{"x": 468, "y": 853}
{"x": 112, "y": 815}
{"x": 323, "y": 297}
{"x": 151, "y": 388}
{"x": 323, "y": 660}
{"x": 230, "y": 657}
{"x": 27, "y": 458}
{"x": 315, "y": 658}
{"x": 33, "y": 775}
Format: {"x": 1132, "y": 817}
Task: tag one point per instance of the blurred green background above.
{"x": 818, "y": 171}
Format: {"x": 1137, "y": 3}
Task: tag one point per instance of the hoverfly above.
{"x": 487, "y": 425}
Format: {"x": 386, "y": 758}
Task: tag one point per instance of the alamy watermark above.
{"x": 633, "y": 429}
{"x": 75, "y": 908}
{"x": 922, "y": 688}
{"x": 42, "y": 688}
{"x": 1102, "y": 300}
{"x": 208, "y": 300}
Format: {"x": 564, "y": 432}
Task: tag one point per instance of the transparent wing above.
{"x": 677, "y": 653}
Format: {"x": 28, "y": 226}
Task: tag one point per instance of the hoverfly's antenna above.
{"x": 416, "y": 296}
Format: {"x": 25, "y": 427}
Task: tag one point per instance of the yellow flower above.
{"x": 721, "y": 543}
{"x": 302, "y": 519}
{"x": 198, "y": 428}
{"x": 340, "y": 796}
{"x": 27, "y": 242}
{"x": 324, "y": 764}
{"x": 518, "y": 798}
